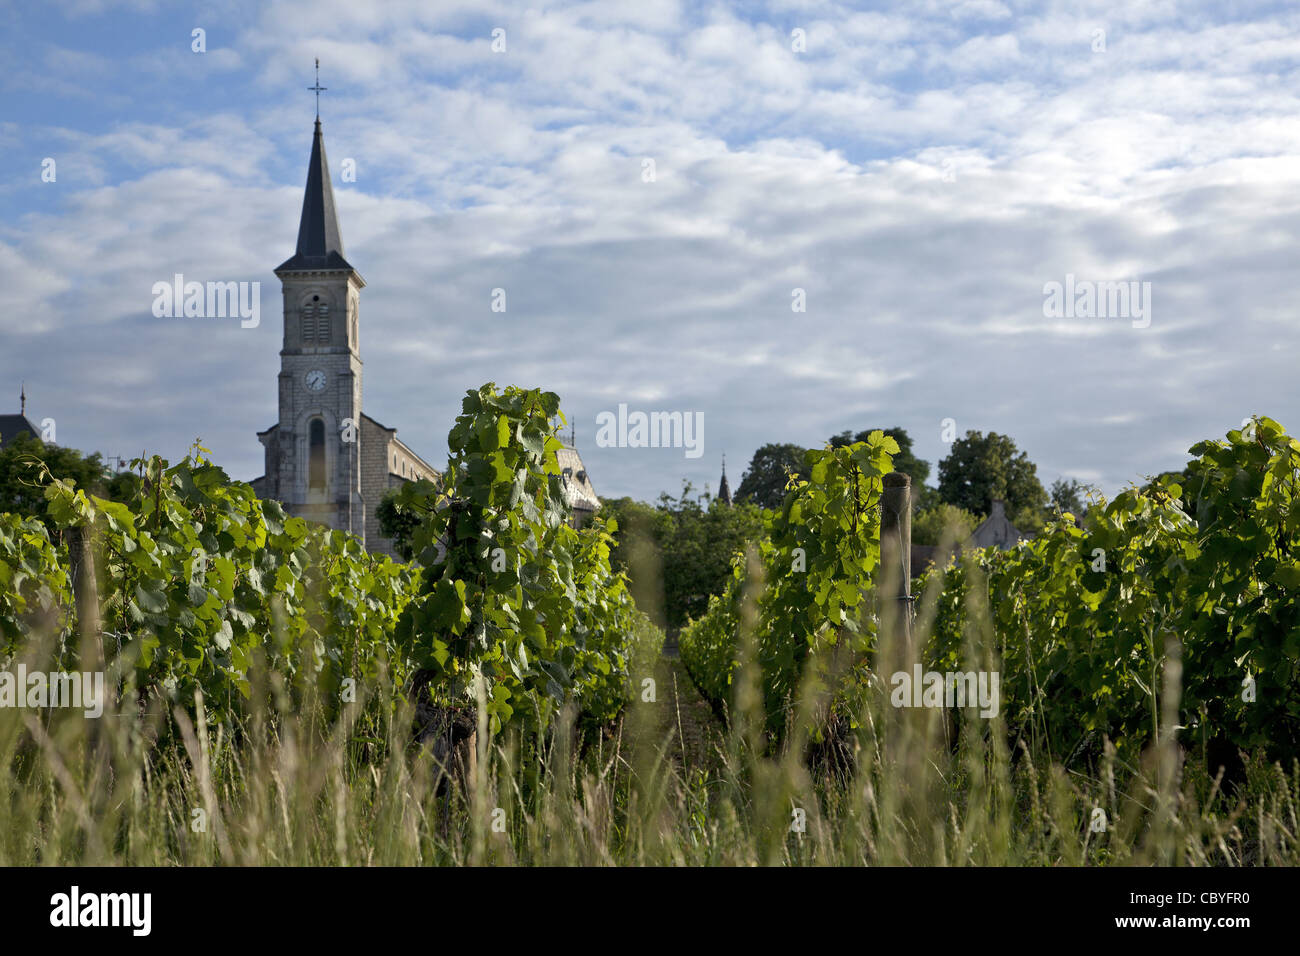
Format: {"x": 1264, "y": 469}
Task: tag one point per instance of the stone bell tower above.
{"x": 313, "y": 454}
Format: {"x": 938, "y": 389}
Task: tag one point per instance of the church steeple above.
{"x": 326, "y": 460}
{"x": 724, "y": 489}
{"x": 320, "y": 242}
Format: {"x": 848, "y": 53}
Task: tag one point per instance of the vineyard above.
{"x": 1085, "y": 619}
{"x": 271, "y": 683}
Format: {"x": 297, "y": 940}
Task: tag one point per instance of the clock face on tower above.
{"x": 314, "y": 380}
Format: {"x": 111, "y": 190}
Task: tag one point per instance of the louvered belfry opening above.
{"x": 315, "y": 318}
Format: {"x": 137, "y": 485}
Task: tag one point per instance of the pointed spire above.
{"x": 724, "y": 489}
{"x": 22, "y": 399}
{"x": 320, "y": 243}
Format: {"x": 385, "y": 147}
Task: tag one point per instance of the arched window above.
{"x": 316, "y": 456}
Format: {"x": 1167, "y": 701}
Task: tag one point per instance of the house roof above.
{"x": 11, "y": 426}
{"x": 996, "y": 529}
{"x": 578, "y": 490}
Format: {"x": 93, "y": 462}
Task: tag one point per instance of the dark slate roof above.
{"x": 996, "y": 529}
{"x": 13, "y": 425}
{"x": 320, "y": 243}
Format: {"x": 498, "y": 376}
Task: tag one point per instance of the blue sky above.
{"x": 921, "y": 170}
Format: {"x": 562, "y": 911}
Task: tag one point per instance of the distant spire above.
{"x": 320, "y": 242}
{"x": 22, "y": 399}
{"x": 724, "y": 489}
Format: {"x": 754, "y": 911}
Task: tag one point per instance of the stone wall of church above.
{"x": 385, "y": 464}
{"x": 374, "y": 481}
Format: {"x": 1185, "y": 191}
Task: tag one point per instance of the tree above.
{"x": 904, "y": 461}
{"x": 1070, "y": 496}
{"x": 981, "y": 468}
{"x": 925, "y": 498}
{"x": 21, "y": 491}
{"x": 943, "y": 522}
{"x": 763, "y": 483}
{"x": 677, "y": 553}
{"x": 638, "y": 522}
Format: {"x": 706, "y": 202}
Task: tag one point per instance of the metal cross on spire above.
{"x": 318, "y": 88}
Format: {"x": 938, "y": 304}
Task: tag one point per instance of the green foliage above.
{"x": 692, "y": 544}
{"x": 640, "y": 522}
{"x": 511, "y": 591}
{"x": 26, "y": 458}
{"x": 198, "y": 579}
{"x": 35, "y": 591}
{"x": 1203, "y": 564}
{"x": 397, "y": 523}
{"x": 819, "y": 560}
{"x": 707, "y": 645}
{"x": 765, "y": 481}
{"x": 1086, "y": 616}
{"x": 1071, "y": 496}
{"x": 943, "y": 522}
{"x": 199, "y": 582}
{"x": 201, "y": 585}
{"x": 905, "y": 461}
{"x": 981, "y": 468}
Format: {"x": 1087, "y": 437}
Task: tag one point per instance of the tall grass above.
{"x": 160, "y": 785}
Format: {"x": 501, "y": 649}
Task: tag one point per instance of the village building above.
{"x": 578, "y": 490}
{"x": 996, "y": 530}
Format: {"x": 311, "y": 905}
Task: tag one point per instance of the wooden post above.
{"x": 90, "y": 631}
{"x": 896, "y": 549}
{"x": 81, "y": 555}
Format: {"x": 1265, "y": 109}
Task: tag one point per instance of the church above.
{"x": 326, "y": 460}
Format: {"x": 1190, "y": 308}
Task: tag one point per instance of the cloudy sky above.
{"x": 920, "y": 170}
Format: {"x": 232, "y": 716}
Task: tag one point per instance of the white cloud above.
{"x": 920, "y": 179}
